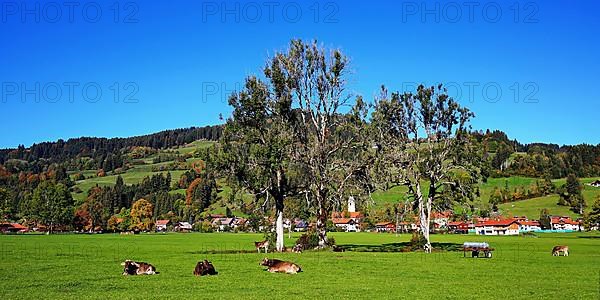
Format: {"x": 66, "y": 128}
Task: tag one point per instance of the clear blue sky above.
{"x": 176, "y": 54}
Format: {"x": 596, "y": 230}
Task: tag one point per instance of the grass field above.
{"x": 87, "y": 266}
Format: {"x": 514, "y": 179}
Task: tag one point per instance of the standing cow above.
{"x": 264, "y": 244}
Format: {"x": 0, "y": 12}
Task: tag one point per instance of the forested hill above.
{"x": 96, "y": 148}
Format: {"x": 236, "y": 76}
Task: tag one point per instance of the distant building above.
{"x": 161, "y": 225}
{"x": 348, "y": 221}
{"x": 460, "y": 227}
{"x": 528, "y": 226}
{"x": 220, "y": 224}
{"x": 183, "y": 227}
{"x": 385, "y": 227}
{"x": 440, "y": 219}
{"x": 346, "y": 224}
{"x": 13, "y": 228}
{"x": 564, "y": 223}
{"x": 497, "y": 227}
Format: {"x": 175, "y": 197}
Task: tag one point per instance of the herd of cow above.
{"x": 206, "y": 267}
{"x": 273, "y": 265}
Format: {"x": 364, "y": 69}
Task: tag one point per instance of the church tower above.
{"x": 351, "y": 204}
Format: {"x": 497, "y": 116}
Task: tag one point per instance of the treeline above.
{"x": 509, "y": 157}
{"x": 46, "y": 201}
{"x": 97, "y": 153}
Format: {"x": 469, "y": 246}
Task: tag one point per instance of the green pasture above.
{"x": 88, "y": 267}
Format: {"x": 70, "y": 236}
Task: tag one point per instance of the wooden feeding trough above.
{"x": 477, "y": 248}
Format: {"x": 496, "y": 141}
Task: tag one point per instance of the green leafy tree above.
{"x": 571, "y": 194}
{"x": 51, "y": 204}
{"x": 330, "y": 146}
{"x": 592, "y": 217}
{"x": 424, "y": 144}
{"x": 6, "y": 204}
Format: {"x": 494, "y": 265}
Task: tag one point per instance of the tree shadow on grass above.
{"x": 400, "y": 247}
{"x": 221, "y": 251}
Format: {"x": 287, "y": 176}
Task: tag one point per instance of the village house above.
{"x": 183, "y": 227}
{"x": 408, "y": 226}
{"x": 497, "y": 227}
{"x": 385, "y": 227}
{"x": 440, "y": 219}
{"x": 222, "y": 224}
{"x": 239, "y": 223}
{"x": 346, "y": 224}
{"x": 300, "y": 225}
{"x": 460, "y": 227}
{"x": 162, "y": 225}
{"x": 528, "y": 226}
{"x": 348, "y": 221}
{"x": 13, "y": 228}
{"x": 564, "y": 223}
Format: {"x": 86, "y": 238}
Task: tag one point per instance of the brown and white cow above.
{"x": 557, "y": 250}
{"x": 138, "y": 268}
{"x": 205, "y": 268}
{"x": 280, "y": 266}
{"x": 264, "y": 244}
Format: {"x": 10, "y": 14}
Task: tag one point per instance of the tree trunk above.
{"x": 279, "y": 197}
{"x": 424, "y": 215}
{"x": 279, "y": 228}
{"x": 322, "y": 228}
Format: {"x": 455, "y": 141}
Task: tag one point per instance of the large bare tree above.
{"x": 424, "y": 144}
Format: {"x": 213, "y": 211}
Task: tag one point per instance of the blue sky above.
{"x": 174, "y": 63}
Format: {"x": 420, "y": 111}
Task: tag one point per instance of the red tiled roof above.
{"x": 496, "y": 223}
{"x": 564, "y": 220}
{"x": 530, "y": 223}
{"x": 457, "y": 223}
{"x": 354, "y": 215}
{"x": 384, "y": 224}
{"x": 18, "y": 226}
{"x": 341, "y": 220}
{"x": 162, "y": 222}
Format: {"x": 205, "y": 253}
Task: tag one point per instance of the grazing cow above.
{"x": 263, "y": 244}
{"x": 138, "y": 268}
{"x": 279, "y": 266}
{"x": 205, "y": 268}
{"x": 557, "y": 250}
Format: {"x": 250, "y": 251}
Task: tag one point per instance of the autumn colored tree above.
{"x": 141, "y": 215}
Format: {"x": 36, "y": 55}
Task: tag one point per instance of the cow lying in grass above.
{"x": 138, "y": 268}
{"x": 264, "y": 244}
{"x": 557, "y": 250}
{"x": 205, "y": 268}
{"x": 279, "y": 266}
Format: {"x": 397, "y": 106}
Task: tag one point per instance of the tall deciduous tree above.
{"x": 51, "y": 204}
{"x": 327, "y": 141}
{"x": 423, "y": 144}
{"x": 141, "y": 215}
{"x": 257, "y": 145}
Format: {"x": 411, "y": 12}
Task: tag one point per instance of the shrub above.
{"x": 310, "y": 240}
{"x": 417, "y": 241}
